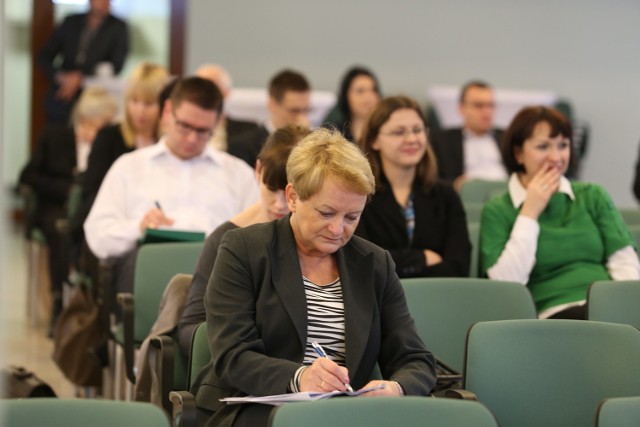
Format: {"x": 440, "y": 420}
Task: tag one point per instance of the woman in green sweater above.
{"x": 555, "y": 236}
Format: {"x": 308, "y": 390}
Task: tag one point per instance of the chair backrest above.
{"x": 535, "y": 373}
{"x": 80, "y": 413}
{"x": 631, "y": 216}
{"x": 445, "y": 308}
{"x": 480, "y": 191}
{"x": 474, "y": 237}
{"x": 383, "y": 411}
{"x": 156, "y": 264}
{"x": 619, "y": 412}
{"x": 200, "y": 353}
{"x": 615, "y": 301}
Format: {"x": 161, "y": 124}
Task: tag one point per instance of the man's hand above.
{"x": 154, "y": 218}
{"x": 70, "y": 83}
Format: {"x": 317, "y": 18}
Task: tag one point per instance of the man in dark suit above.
{"x": 289, "y": 104}
{"x": 83, "y": 41}
{"x": 472, "y": 151}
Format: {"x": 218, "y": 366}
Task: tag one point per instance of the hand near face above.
{"x": 154, "y": 218}
{"x": 324, "y": 375}
{"x": 540, "y": 189}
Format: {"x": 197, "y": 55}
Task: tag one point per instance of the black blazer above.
{"x": 110, "y": 43}
{"x": 257, "y": 321}
{"x": 107, "y": 147}
{"x": 448, "y": 147}
{"x": 247, "y": 145}
{"x": 52, "y": 167}
{"x": 440, "y": 225}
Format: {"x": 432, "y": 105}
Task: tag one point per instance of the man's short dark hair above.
{"x": 471, "y": 84}
{"x": 287, "y": 81}
{"x": 196, "y": 90}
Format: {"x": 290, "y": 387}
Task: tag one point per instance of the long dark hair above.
{"x": 343, "y": 94}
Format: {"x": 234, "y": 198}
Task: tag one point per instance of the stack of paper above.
{"x": 279, "y": 399}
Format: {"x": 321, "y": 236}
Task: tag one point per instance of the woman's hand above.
{"x": 540, "y": 189}
{"x": 324, "y": 375}
{"x": 390, "y": 388}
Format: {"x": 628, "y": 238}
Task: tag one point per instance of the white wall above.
{"x": 586, "y": 50}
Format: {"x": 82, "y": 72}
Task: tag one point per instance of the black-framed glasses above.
{"x": 185, "y": 128}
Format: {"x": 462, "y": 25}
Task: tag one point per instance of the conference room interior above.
{"x": 415, "y": 48}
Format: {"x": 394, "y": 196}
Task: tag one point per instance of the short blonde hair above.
{"x": 94, "y": 103}
{"x": 324, "y": 153}
{"x": 146, "y": 81}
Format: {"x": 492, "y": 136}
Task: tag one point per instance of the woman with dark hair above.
{"x": 417, "y": 218}
{"x": 359, "y": 94}
{"x": 552, "y": 235}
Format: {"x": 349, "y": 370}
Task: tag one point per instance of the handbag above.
{"x": 20, "y": 382}
{"x": 77, "y": 336}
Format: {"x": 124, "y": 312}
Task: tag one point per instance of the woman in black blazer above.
{"x": 418, "y": 219}
{"x": 277, "y": 288}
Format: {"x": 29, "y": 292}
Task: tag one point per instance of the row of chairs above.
{"x": 373, "y": 412}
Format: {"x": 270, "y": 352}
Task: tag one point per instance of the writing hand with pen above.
{"x": 154, "y": 218}
{"x": 325, "y": 375}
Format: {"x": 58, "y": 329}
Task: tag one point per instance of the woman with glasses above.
{"x": 138, "y": 128}
{"x": 417, "y": 218}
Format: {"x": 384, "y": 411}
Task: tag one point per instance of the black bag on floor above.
{"x": 19, "y": 383}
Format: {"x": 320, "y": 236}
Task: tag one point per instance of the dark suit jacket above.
{"x": 107, "y": 147}
{"x": 257, "y": 321}
{"x": 247, "y": 145}
{"x": 448, "y": 147}
{"x": 110, "y": 43}
{"x": 440, "y": 225}
{"x": 51, "y": 169}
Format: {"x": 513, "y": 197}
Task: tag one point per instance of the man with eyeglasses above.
{"x": 289, "y": 104}
{"x": 179, "y": 183}
{"x": 472, "y": 151}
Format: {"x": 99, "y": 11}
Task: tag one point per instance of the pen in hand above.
{"x": 320, "y": 351}
{"x": 157, "y": 203}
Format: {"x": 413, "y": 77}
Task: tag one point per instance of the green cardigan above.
{"x": 576, "y": 239}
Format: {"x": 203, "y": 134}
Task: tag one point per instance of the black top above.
{"x": 107, "y": 147}
{"x": 110, "y": 43}
{"x": 51, "y": 169}
{"x": 246, "y": 145}
{"x": 440, "y": 225}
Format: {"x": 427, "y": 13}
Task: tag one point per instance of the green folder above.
{"x": 160, "y": 235}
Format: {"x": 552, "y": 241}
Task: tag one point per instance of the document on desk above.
{"x": 279, "y": 399}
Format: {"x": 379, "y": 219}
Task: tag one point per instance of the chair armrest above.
{"x": 460, "y": 394}
{"x": 184, "y": 408}
{"x": 126, "y": 302}
{"x": 162, "y": 350}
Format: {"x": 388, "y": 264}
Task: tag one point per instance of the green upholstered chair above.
{"x": 619, "y": 412}
{"x": 184, "y": 405}
{"x": 474, "y": 237}
{"x": 473, "y": 210}
{"x": 80, "y": 413}
{"x": 631, "y": 216}
{"x": 480, "y": 191}
{"x": 615, "y": 301}
{"x": 156, "y": 264}
{"x": 445, "y": 308}
{"x": 546, "y": 373}
{"x": 383, "y": 411}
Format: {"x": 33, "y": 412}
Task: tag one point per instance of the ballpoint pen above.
{"x": 320, "y": 351}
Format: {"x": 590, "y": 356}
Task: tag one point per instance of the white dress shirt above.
{"x": 482, "y": 158}
{"x": 198, "y": 194}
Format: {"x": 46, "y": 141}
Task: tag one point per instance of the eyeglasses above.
{"x": 185, "y": 128}
{"x": 401, "y": 133}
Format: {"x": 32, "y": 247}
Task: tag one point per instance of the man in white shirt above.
{"x": 180, "y": 182}
{"x": 473, "y": 151}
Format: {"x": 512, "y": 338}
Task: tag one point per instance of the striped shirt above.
{"x": 325, "y": 321}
